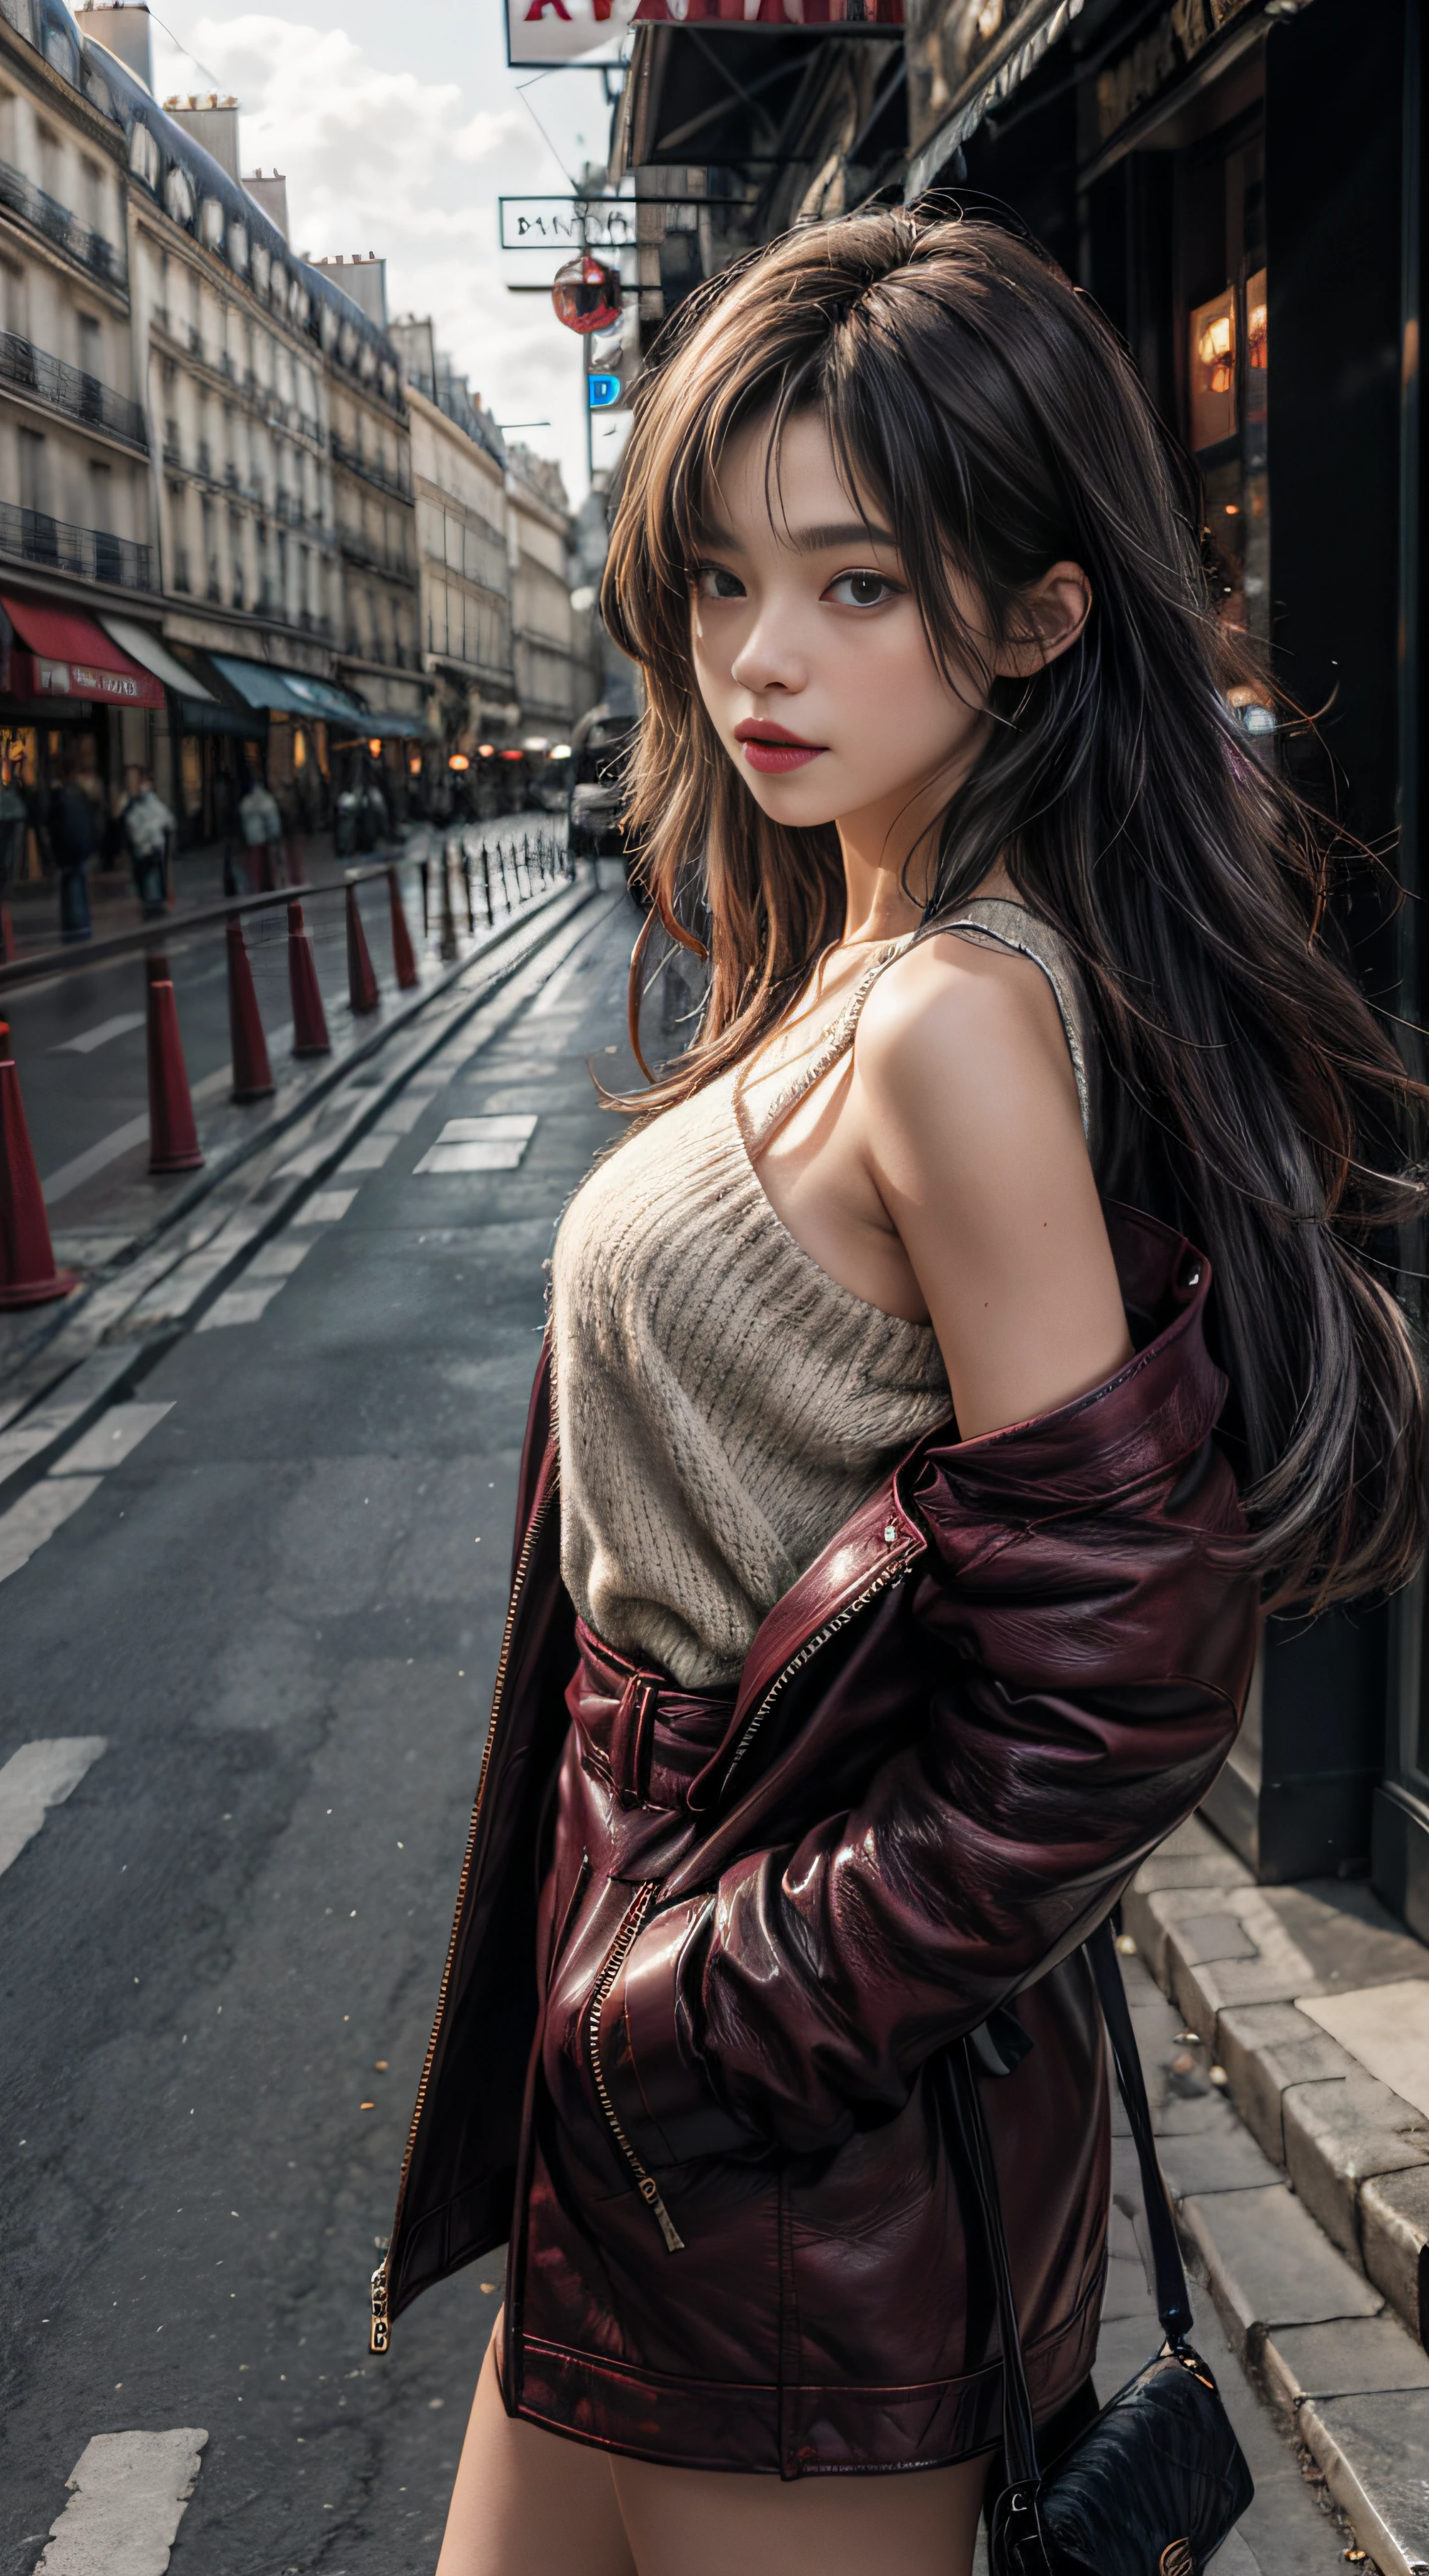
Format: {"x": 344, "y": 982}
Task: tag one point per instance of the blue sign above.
{"x": 602, "y": 391}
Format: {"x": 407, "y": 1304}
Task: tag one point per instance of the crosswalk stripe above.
{"x": 112, "y": 1439}
{"x": 326, "y": 1206}
{"x": 41, "y": 1775}
{"x": 38, "y": 1515}
{"x": 368, "y": 1154}
{"x": 129, "y": 2491}
{"x": 238, "y": 1306}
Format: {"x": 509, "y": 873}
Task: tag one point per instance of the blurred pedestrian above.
{"x": 74, "y": 827}
{"x": 148, "y": 827}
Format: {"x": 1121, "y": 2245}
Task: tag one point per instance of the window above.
{"x": 34, "y": 474}
{"x": 101, "y": 498}
{"x": 14, "y": 300}
{"x": 91, "y": 346}
{"x": 235, "y": 556}
{"x": 93, "y": 197}
{"x": 178, "y": 506}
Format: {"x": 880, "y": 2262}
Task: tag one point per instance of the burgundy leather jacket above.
{"x": 710, "y": 1950}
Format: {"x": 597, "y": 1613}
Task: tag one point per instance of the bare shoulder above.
{"x": 955, "y": 1024}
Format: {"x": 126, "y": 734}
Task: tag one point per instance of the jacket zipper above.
{"x": 645, "y": 2182}
{"x": 891, "y": 1572}
{"x": 381, "y": 2323}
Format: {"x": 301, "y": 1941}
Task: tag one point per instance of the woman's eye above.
{"x": 714, "y": 581}
{"x": 860, "y": 590}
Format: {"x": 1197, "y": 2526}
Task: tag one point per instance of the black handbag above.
{"x": 1154, "y": 2485}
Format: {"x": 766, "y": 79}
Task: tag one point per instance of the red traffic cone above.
{"x": 361, "y": 982}
{"x": 252, "y": 1073}
{"x": 27, "y": 1263}
{"x": 404, "y": 964}
{"x": 310, "y": 1035}
{"x": 173, "y": 1137}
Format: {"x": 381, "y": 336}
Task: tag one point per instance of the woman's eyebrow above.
{"x": 805, "y": 541}
{"x": 851, "y": 532}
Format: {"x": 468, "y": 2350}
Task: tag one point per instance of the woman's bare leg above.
{"x": 528, "y": 2503}
{"x": 692, "y": 2522}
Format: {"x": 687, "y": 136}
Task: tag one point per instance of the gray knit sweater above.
{"x": 723, "y": 1403}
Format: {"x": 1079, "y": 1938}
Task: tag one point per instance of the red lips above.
{"x": 773, "y": 747}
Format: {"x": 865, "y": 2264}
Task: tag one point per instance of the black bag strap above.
{"x": 1019, "y": 2434}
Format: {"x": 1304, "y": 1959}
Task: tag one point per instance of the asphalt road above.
{"x": 79, "y": 1035}
{"x": 280, "y": 1613}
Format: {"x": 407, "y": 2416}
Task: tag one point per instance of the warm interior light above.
{"x": 486, "y": 751}
{"x": 560, "y": 751}
{"x": 458, "y": 760}
{"x": 375, "y": 747}
{"x": 513, "y": 755}
{"x": 415, "y": 767}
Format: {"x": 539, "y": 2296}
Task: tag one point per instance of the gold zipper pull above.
{"x": 381, "y": 2334}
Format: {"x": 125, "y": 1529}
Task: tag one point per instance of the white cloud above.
{"x": 377, "y": 158}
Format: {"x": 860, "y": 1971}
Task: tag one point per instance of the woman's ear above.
{"x": 1051, "y": 616}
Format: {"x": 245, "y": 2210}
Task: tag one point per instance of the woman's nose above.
{"x": 770, "y": 655}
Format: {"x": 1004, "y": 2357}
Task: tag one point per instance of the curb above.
{"x": 177, "y": 1282}
{"x": 1308, "y": 2218}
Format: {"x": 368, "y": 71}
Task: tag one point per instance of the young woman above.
{"x": 975, "y": 1327}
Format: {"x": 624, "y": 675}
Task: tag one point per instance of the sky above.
{"x": 398, "y": 126}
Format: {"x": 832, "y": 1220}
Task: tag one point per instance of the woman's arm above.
{"x": 970, "y": 1127}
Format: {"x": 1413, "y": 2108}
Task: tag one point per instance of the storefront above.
{"x": 72, "y": 703}
{"x": 1236, "y": 182}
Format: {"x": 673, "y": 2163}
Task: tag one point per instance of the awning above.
{"x": 144, "y": 646}
{"x": 323, "y": 698}
{"x": 66, "y": 655}
{"x": 983, "y": 69}
{"x": 258, "y": 685}
{"x": 390, "y": 727}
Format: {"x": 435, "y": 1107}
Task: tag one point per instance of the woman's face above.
{"x": 810, "y": 653}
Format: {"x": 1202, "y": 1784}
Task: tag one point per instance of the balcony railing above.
{"x": 67, "y": 389}
{"x": 90, "y": 552}
{"x": 360, "y": 550}
{"x": 399, "y": 486}
{"x": 59, "y": 226}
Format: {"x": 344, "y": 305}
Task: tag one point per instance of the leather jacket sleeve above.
{"x": 1089, "y": 1635}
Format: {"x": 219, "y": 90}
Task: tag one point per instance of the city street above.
{"x": 266, "y": 1639}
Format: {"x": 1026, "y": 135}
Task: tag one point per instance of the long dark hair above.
{"x": 989, "y": 414}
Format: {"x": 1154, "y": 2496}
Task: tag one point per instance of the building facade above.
{"x": 202, "y": 438}
{"x": 76, "y": 522}
{"x": 555, "y": 665}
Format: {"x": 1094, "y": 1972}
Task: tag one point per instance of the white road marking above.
{"x": 550, "y": 994}
{"x": 280, "y": 1259}
{"x": 112, "y": 1439}
{"x": 478, "y": 1145}
{"x": 238, "y": 1306}
{"x": 128, "y": 2499}
{"x": 119, "y": 1027}
{"x": 368, "y": 1154}
{"x": 1386, "y": 2028}
{"x": 40, "y": 1775}
{"x": 326, "y": 1206}
{"x": 96, "y": 1158}
{"x": 403, "y": 1115}
{"x": 38, "y": 1515}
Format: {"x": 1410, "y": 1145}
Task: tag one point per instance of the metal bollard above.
{"x": 449, "y": 946}
{"x": 466, "y": 888}
{"x": 486, "y": 885}
{"x": 426, "y": 903}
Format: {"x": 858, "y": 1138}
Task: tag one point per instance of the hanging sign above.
{"x": 542, "y": 32}
{"x": 602, "y": 391}
{"x": 576, "y": 223}
{"x": 778, "y": 16}
{"x": 586, "y": 295}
